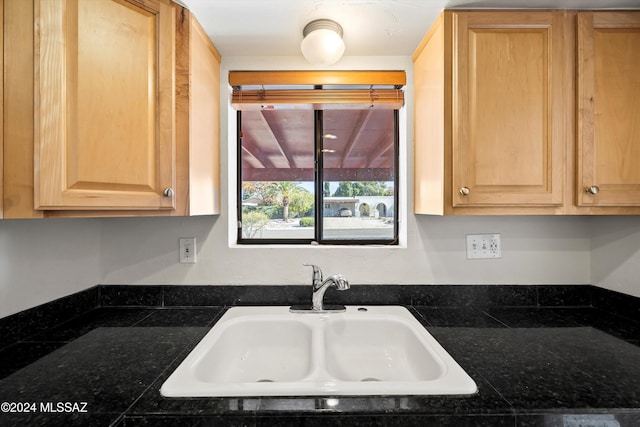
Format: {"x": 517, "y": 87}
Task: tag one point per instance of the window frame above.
{"x": 318, "y": 238}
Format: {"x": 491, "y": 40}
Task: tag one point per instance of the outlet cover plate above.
{"x": 483, "y": 246}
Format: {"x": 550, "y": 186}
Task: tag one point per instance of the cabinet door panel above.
{"x": 609, "y": 108}
{"x": 508, "y": 123}
{"x": 105, "y": 105}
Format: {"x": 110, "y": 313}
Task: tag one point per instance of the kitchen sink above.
{"x": 377, "y": 350}
{"x": 365, "y": 350}
{"x": 257, "y": 350}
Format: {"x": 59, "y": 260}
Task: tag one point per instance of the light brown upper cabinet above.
{"x": 123, "y": 117}
{"x": 490, "y": 113}
{"x": 105, "y": 96}
{"x": 608, "y": 110}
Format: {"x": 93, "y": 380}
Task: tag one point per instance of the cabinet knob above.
{"x": 464, "y": 191}
{"x": 594, "y": 189}
{"x": 168, "y": 192}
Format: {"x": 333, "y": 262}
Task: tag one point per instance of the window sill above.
{"x": 312, "y": 246}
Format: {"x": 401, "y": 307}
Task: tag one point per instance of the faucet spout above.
{"x": 337, "y": 281}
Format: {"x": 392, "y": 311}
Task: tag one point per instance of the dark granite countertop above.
{"x": 533, "y": 366}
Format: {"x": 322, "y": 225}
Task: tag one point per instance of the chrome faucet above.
{"x": 319, "y": 287}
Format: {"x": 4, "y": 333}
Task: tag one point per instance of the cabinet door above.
{"x": 508, "y": 109}
{"x": 608, "y": 113}
{"x": 104, "y": 107}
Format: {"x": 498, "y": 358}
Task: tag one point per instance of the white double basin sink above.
{"x": 366, "y": 350}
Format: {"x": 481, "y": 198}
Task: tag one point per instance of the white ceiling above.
{"x": 371, "y": 27}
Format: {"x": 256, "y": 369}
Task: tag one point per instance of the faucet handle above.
{"x": 317, "y": 274}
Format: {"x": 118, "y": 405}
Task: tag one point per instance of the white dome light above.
{"x": 322, "y": 43}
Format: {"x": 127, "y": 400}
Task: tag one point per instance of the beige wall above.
{"x": 615, "y": 254}
{"x": 536, "y": 250}
{"x": 42, "y": 260}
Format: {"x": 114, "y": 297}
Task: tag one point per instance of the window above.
{"x": 317, "y": 173}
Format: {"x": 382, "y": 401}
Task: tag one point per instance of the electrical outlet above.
{"x": 187, "y": 250}
{"x": 482, "y": 246}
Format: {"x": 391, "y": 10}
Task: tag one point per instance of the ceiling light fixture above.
{"x": 322, "y": 42}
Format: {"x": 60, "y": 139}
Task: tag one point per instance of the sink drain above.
{"x": 265, "y": 381}
{"x": 370, "y": 379}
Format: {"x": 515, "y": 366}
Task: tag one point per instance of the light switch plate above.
{"x": 187, "y": 250}
{"x": 483, "y": 246}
